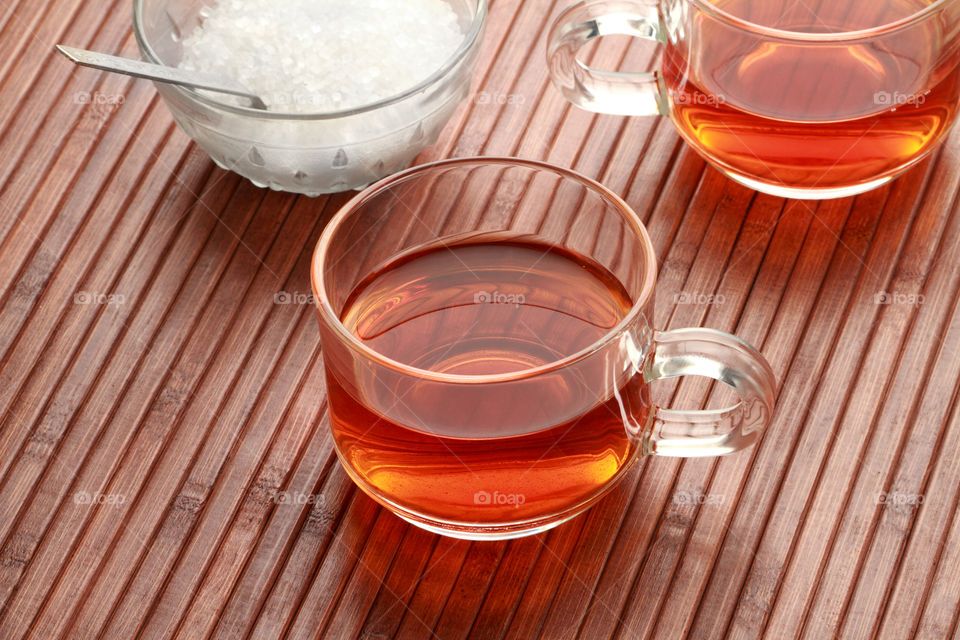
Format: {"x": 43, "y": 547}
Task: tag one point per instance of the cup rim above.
{"x": 469, "y": 41}
{"x": 839, "y": 36}
{"x": 332, "y": 319}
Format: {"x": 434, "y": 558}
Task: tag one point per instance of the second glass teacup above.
{"x": 488, "y": 338}
{"x": 792, "y": 99}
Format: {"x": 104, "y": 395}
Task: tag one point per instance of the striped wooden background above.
{"x": 165, "y": 463}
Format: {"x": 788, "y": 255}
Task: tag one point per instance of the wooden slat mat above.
{"x": 165, "y": 463}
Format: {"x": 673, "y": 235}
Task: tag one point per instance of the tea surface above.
{"x": 825, "y": 116}
{"x": 487, "y": 309}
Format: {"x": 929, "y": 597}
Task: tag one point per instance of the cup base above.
{"x": 807, "y": 194}
{"x": 477, "y": 531}
{"x": 489, "y": 534}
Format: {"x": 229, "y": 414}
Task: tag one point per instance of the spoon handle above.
{"x": 159, "y": 73}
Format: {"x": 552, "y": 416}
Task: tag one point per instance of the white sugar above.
{"x": 307, "y": 56}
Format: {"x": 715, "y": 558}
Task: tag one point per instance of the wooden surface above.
{"x": 165, "y": 463}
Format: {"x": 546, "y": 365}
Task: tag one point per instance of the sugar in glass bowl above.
{"x": 309, "y": 153}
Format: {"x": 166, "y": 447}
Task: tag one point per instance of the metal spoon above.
{"x": 160, "y": 73}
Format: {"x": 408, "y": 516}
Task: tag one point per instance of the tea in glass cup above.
{"x": 487, "y": 337}
{"x": 796, "y": 99}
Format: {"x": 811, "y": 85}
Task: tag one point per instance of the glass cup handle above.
{"x": 723, "y": 357}
{"x": 614, "y": 92}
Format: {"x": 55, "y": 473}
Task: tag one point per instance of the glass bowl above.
{"x": 309, "y": 153}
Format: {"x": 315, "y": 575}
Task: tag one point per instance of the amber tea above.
{"x": 819, "y": 117}
{"x": 488, "y": 340}
{"x": 479, "y": 309}
{"x": 818, "y": 99}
